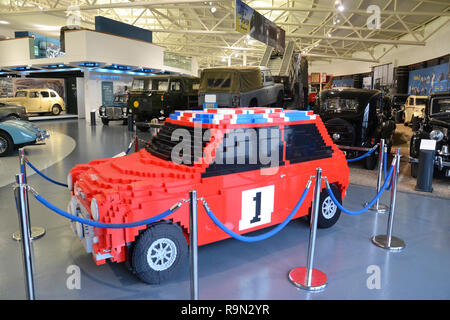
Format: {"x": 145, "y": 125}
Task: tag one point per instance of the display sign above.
{"x": 423, "y": 82}
{"x": 323, "y": 77}
{"x": 315, "y": 77}
{"x": 107, "y": 92}
{"x": 251, "y": 22}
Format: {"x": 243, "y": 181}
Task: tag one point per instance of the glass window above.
{"x": 138, "y": 84}
{"x": 411, "y": 101}
{"x": 44, "y": 94}
{"x": 175, "y": 86}
{"x": 269, "y": 77}
{"x": 21, "y": 94}
{"x": 34, "y": 94}
{"x": 421, "y": 102}
{"x": 340, "y": 105}
{"x": 52, "y": 94}
{"x": 219, "y": 83}
{"x": 441, "y": 106}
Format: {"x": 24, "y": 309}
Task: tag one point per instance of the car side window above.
{"x": 304, "y": 143}
{"x": 269, "y": 77}
{"x": 175, "y": 86}
{"x": 240, "y": 151}
{"x": 44, "y": 94}
{"x": 21, "y": 94}
{"x": 411, "y": 101}
{"x": 34, "y": 94}
{"x": 52, "y": 94}
{"x": 262, "y": 77}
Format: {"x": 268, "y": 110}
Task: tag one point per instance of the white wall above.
{"x": 436, "y": 46}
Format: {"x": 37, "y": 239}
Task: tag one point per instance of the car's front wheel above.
{"x": 159, "y": 253}
{"x": 6, "y": 144}
{"x": 105, "y": 121}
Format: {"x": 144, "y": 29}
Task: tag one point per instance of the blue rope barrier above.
{"x": 384, "y": 168}
{"x": 262, "y": 236}
{"x": 330, "y": 192}
{"x": 101, "y": 224}
{"x": 362, "y": 157}
{"x": 44, "y": 176}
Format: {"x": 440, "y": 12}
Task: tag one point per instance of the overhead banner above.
{"x": 249, "y": 21}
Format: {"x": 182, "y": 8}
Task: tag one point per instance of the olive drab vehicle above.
{"x": 154, "y": 98}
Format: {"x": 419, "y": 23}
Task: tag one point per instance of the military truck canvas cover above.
{"x": 231, "y": 79}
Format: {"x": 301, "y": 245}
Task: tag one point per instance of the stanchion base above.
{"x": 382, "y": 239}
{"x": 318, "y": 279}
{"x": 382, "y": 208}
{"x": 36, "y": 233}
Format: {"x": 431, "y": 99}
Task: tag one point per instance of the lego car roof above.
{"x": 232, "y": 116}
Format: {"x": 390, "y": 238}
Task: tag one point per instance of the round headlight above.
{"x": 94, "y": 209}
{"x": 436, "y": 135}
{"x": 336, "y": 136}
{"x": 124, "y": 110}
{"x": 69, "y": 182}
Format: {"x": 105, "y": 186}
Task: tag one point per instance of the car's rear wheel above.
{"x": 253, "y": 103}
{"x": 6, "y": 144}
{"x": 56, "y": 109}
{"x": 159, "y": 253}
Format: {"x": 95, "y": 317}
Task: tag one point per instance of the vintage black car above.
{"x": 116, "y": 111}
{"x": 435, "y": 126}
{"x": 356, "y": 120}
{"x": 396, "y": 102}
{"x": 154, "y": 98}
{"x": 12, "y": 111}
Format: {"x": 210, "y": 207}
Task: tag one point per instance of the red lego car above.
{"x": 245, "y": 192}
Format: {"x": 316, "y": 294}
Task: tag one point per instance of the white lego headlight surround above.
{"x": 94, "y": 209}
{"x": 69, "y": 182}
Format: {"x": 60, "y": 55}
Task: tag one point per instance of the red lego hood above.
{"x": 138, "y": 172}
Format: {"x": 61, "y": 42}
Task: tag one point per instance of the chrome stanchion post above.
{"x": 308, "y": 278}
{"x": 388, "y": 241}
{"x": 36, "y": 232}
{"x": 21, "y": 195}
{"x": 193, "y": 245}
{"x": 379, "y": 207}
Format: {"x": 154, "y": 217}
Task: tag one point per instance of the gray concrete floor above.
{"x": 231, "y": 269}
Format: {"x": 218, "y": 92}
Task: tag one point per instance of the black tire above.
{"x": 56, "y": 110}
{"x": 415, "y": 124}
{"x": 168, "y": 238}
{"x": 143, "y": 129}
{"x": 125, "y": 122}
{"x": 280, "y": 100}
{"x": 253, "y": 103}
{"x": 105, "y": 121}
{"x": 414, "y": 169}
{"x": 6, "y": 144}
{"x": 329, "y": 213}
{"x": 370, "y": 162}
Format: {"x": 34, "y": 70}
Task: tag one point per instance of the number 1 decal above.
{"x": 257, "y": 207}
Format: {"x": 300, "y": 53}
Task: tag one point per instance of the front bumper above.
{"x": 84, "y": 232}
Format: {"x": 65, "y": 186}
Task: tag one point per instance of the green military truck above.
{"x": 154, "y": 98}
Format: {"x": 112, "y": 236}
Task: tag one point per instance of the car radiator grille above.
{"x": 346, "y": 136}
{"x": 114, "y": 112}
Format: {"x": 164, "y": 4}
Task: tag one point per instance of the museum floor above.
{"x": 228, "y": 269}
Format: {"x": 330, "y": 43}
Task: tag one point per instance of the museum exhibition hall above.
{"x": 225, "y": 150}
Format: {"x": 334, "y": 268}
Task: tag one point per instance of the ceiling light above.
{"x": 213, "y": 9}
{"x": 329, "y": 35}
{"x": 4, "y": 22}
{"x": 236, "y": 55}
{"x": 341, "y": 7}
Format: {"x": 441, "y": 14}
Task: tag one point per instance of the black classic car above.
{"x": 118, "y": 110}
{"x": 154, "y": 98}
{"x": 11, "y": 111}
{"x": 435, "y": 126}
{"x": 356, "y": 120}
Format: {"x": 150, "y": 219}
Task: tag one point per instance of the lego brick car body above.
{"x": 11, "y": 111}
{"x": 240, "y": 87}
{"x": 18, "y": 133}
{"x": 154, "y": 98}
{"x": 414, "y": 109}
{"x": 356, "y": 121}
{"x": 38, "y": 101}
{"x": 245, "y": 191}
{"x": 435, "y": 126}
{"x": 117, "y": 111}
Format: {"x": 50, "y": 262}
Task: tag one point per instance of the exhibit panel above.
{"x": 231, "y": 151}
